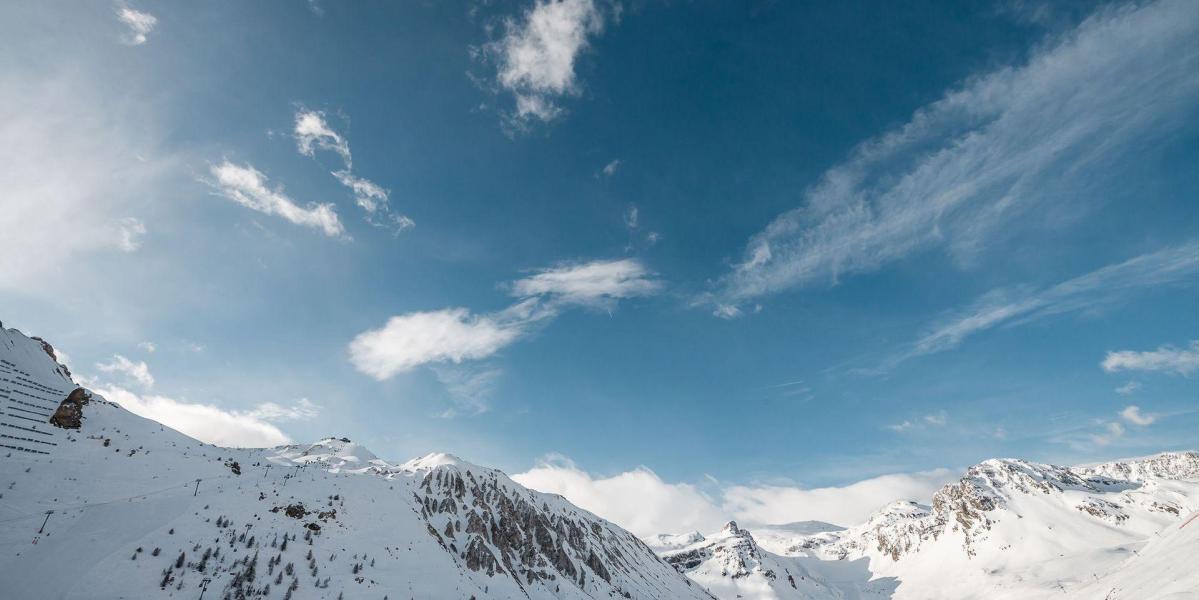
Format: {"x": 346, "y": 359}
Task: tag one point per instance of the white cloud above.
{"x": 138, "y": 371}
{"x": 247, "y": 186}
{"x": 1005, "y": 144}
{"x": 637, "y": 500}
{"x": 592, "y": 283}
{"x": 312, "y": 132}
{"x": 1112, "y": 431}
{"x": 726, "y": 311}
{"x": 536, "y": 57}
{"x": 456, "y": 335}
{"x": 410, "y": 340}
{"x": 1105, "y": 286}
{"x": 1129, "y": 388}
{"x": 1167, "y": 359}
{"x": 847, "y": 505}
{"x": 204, "y": 422}
{"x": 129, "y": 231}
{"x": 1133, "y": 414}
{"x": 368, "y": 194}
{"x": 643, "y": 503}
{"x": 148, "y": 347}
{"x": 140, "y": 24}
{"x": 610, "y": 168}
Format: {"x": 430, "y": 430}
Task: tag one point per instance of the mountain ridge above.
{"x": 143, "y": 510}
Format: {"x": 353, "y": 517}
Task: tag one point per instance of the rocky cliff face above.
{"x": 1006, "y": 491}
{"x": 731, "y": 564}
{"x": 69, "y": 414}
{"x": 142, "y": 510}
{"x": 1170, "y": 466}
{"x": 503, "y": 529}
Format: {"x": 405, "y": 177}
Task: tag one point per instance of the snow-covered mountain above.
{"x": 1007, "y": 529}
{"x": 106, "y": 504}
{"x": 731, "y": 564}
{"x": 96, "y": 502}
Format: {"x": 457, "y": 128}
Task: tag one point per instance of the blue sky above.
{"x": 716, "y": 249}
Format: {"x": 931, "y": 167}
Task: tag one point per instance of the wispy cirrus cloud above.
{"x": 536, "y": 57}
{"x": 1100, "y": 288}
{"x": 998, "y": 147}
{"x": 249, "y": 187}
{"x": 1166, "y": 359}
{"x": 303, "y": 410}
{"x": 469, "y": 388}
{"x": 129, "y": 232}
{"x": 140, "y": 24}
{"x": 456, "y": 335}
{"x": 312, "y": 132}
{"x": 937, "y": 419}
{"x": 597, "y": 283}
{"x": 1129, "y": 388}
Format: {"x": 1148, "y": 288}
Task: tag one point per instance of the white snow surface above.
{"x": 1008, "y": 529}
{"x": 138, "y": 510}
{"x": 124, "y": 507}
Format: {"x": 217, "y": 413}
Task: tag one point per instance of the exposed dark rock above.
{"x": 295, "y": 511}
{"x": 69, "y": 414}
{"x": 50, "y": 351}
{"x": 508, "y": 532}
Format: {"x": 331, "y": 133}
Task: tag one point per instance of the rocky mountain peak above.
{"x": 1167, "y": 466}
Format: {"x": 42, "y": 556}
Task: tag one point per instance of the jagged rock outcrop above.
{"x": 731, "y": 564}
{"x": 502, "y": 529}
{"x": 49, "y": 350}
{"x": 69, "y": 414}
{"x": 1002, "y": 490}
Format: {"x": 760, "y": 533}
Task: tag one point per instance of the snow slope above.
{"x": 1016, "y": 529}
{"x": 1164, "y": 568}
{"x": 133, "y": 509}
{"x": 111, "y": 505}
{"x": 1007, "y": 529}
{"x": 730, "y": 564}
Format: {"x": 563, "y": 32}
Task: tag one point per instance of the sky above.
{"x": 754, "y": 260}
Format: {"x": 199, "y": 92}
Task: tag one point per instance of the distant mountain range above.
{"x": 96, "y": 502}
{"x": 1007, "y": 529}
